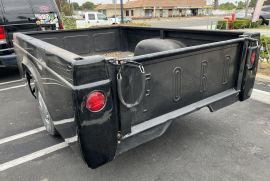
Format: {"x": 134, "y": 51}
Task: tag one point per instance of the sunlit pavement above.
{"x": 231, "y": 144}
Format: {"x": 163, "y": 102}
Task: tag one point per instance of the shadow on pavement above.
{"x": 9, "y": 74}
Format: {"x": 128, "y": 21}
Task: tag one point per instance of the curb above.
{"x": 263, "y": 78}
{"x": 261, "y": 96}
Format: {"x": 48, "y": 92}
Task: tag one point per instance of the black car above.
{"x": 22, "y": 16}
{"x": 265, "y": 14}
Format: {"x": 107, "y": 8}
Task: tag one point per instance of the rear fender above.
{"x": 97, "y": 131}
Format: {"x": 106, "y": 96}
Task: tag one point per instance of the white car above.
{"x": 93, "y": 19}
{"x": 117, "y": 20}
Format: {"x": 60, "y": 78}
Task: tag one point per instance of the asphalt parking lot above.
{"x": 231, "y": 144}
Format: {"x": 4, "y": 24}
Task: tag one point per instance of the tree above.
{"x": 267, "y": 2}
{"x": 252, "y": 3}
{"x": 215, "y": 4}
{"x": 88, "y": 6}
{"x": 227, "y": 6}
{"x": 75, "y": 6}
{"x": 66, "y": 8}
{"x": 241, "y": 5}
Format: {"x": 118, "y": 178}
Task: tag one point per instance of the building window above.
{"x": 161, "y": 13}
{"x": 170, "y": 13}
{"x": 132, "y": 12}
{"x": 149, "y": 13}
{"x": 127, "y": 13}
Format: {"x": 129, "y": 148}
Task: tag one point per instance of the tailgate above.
{"x": 177, "y": 79}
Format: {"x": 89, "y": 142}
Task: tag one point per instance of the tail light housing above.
{"x": 252, "y": 56}
{"x": 96, "y": 101}
{"x": 2, "y": 33}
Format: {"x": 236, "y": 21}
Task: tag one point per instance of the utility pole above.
{"x": 154, "y": 8}
{"x": 246, "y": 9}
{"x": 122, "y": 13}
{"x": 70, "y": 8}
{"x": 115, "y": 2}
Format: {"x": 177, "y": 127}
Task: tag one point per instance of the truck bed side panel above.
{"x": 188, "y": 37}
{"x": 53, "y": 76}
{"x": 84, "y": 42}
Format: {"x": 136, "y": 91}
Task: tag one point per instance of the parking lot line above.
{"x": 71, "y": 140}
{"x": 10, "y": 82}
{"x": 32, "y": 156}
{"x": 64, "y": 121}
{"x": 21, "y": 135}
{"x": 15, "y": 87}
{"x": 261, "y": 96}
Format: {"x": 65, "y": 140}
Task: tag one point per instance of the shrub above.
{"x": 69, "y": 22}
{"x": 221, "y": 25}
{"x": 243, "y": 23}
{"x": 239, "y": 24}
{"x": 263, "y": 52}
{"x": 266, "y": 38}
{"x": 256, "y": 24}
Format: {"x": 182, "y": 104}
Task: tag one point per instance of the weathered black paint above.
{"x": 209, "y": 72}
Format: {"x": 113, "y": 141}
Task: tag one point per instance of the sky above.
{"x": 110, "y": 1}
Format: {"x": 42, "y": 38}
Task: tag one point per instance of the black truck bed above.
{"x": 145, "y": 92}
{"x": 84, "y": 42}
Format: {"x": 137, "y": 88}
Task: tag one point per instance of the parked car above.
{"x": 265, "y": 14}
{"x": 110, "y": 89}
{"x": 117, "y": 20}
{"x": 91, "y": 19}
{"x": 22, "y": 16}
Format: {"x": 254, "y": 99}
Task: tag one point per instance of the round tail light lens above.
{"x": 96, "y": 101}
{"x": 253, "y": 57}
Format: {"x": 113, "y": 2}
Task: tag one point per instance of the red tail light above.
{"x": 61, "y": 26}
{"x": 2, "y": 33}
{"x": 95, "y": 101}
{"x": 252, "y": 57}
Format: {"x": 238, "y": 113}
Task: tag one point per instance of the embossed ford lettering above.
{"x": 147, "y": 92}
{"x": 226, "y": 69}
{"x": 204, "y": 67}
{"x": 177, "y": 84}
